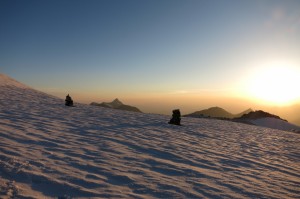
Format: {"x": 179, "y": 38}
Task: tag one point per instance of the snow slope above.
{"x": 48, "y": 150}
{"x": 8, "y": 81}
{"x": 275, "y": 124}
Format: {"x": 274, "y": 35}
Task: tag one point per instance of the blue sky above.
{"x": 99, "y": 50}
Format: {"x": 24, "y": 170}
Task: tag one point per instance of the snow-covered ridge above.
{"x": 48, "y": 150}
{"x": 8, "y": 81}
{"x": 276, "y": 124}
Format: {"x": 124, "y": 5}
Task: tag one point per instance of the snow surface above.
{"x": 275, "y": 124}
{"x": 8, "y": 81}
{"x": 48, "y": 150}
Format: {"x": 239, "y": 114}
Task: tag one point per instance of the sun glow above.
{"x": 276, "y": 84}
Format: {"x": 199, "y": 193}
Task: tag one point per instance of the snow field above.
{"x": 48, "y": 150}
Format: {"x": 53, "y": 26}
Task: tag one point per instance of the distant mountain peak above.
{"x": 244, "y": 112}
{"x": 217, "y": 112}
{"x": 215, "y": 108}
{"x": 260, "y": 114}
{"x": 116, "y": 104}
{"x": 211, "y": 112}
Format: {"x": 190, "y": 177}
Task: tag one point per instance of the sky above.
{"x": 156, "y": 55}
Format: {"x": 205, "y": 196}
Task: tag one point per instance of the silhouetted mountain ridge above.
{"x": 257, "y": 118}
{"x": 265, "y": 119}
{"x": 217, "y": 112}
{"x": 116, "y": 104}
{"x": 258, "y": 115}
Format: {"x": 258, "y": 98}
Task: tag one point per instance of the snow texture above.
{"x": 275, "y": 124}
{"x": 48, "y": 150}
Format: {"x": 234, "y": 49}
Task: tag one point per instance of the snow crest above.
{"x": 7, "y": 81}
{"x": 50, "y": 150}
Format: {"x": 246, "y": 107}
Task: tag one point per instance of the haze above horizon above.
{"x": 185, "y": 54}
